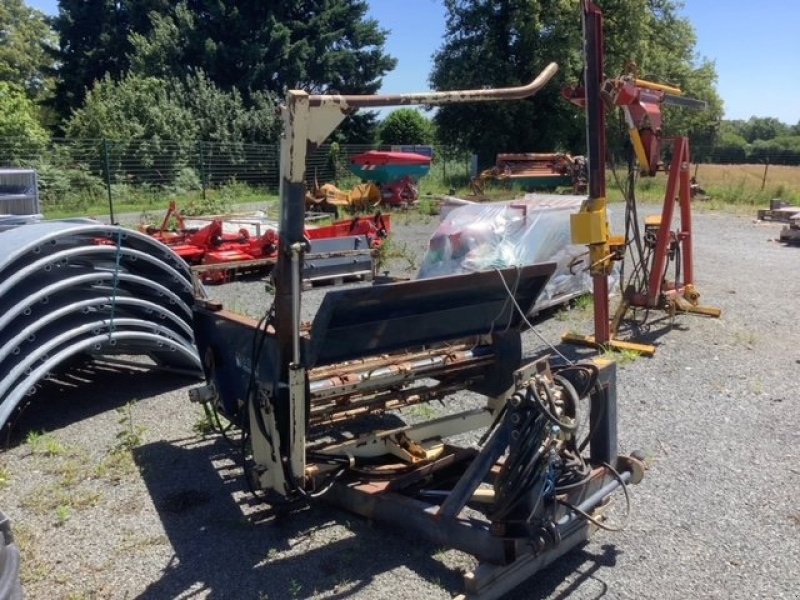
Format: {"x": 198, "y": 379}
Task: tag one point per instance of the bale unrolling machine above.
{"x": 314, "y": 401}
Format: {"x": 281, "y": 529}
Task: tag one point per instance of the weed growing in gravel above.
{"x": 391, "y": 249}
{"x": 584, "y": 303}
{"x": 72, "y": 471}
{"x": 44, "y": 444}
{"x": 294, "y": 588}
{"x": 423, "y": 411}
{"x": 134, "y": 543}
{"x": 203, "y": 425}
{"x": 342, "y": 582}
{"x": 63, "y": 513}
{"x": 5, "y": 477}
{"x": 428, "y": 207}
{"x": 116, "y": 466}
{"x": 621, "y": 357}
{"x": 131, "y": 435}
{"x": 33, "y": 568}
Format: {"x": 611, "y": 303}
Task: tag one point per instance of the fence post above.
{"x": 764, "y": 179}
{"x": 108, "y": 181}
{"x": 203, "y": 183}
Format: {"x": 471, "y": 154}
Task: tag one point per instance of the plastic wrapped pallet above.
{"x": 480, "y": 237}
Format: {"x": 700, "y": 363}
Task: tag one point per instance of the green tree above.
{"x": 406, "y": 126}
{"x": 26, "y": 45}
{"x": 317, "y": 45}
{"x": 781, "y": 150}
{"x": 93, "y": 41}
{"x": 507, "y": 42}
{"x": 21, "y": 135}
{"x": 156, "y": 124}
{"x": 252, "y": 46}
{"x": 730, "y": 148}
{"x": 134, "y": 108}
{"x": 764, "y": 128}
{"x": 144, "y": 119}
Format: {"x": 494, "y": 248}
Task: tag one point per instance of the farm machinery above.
{"x": 662, "y": 273}
{"x": 547, "y": 170}
{"x": 315, "y": 402}
{"x": 224, "y": 245}
{"x": 388, "y": 179}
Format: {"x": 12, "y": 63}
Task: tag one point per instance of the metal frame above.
{"x": 368, "y": 349}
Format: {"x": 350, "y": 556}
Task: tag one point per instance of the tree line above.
{"x": 215, "y": 70}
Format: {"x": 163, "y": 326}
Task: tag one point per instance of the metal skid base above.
{"x": 504, "y": 562}
{"x": 448, "y": 500}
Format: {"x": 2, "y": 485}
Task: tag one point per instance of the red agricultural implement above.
{"x": 216, "y": 253}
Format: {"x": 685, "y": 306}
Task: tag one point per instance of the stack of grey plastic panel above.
{"x": 19, "y": 192}
{"x": 87, "y": 289}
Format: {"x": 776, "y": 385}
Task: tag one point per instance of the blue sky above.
{"x": 756, "y": 47}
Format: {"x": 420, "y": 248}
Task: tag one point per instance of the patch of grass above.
{"x": 428, "y": 207}
{"x": 423, "y": 411}
{"x": 116, "y": 466}
{"x": 48, "y": 498}
{"x": 72, "y": 471}
{"x": 584, "y": 303}
{"x": 44, "y": 444}
{"x": 621, "y": 356}
{"x": 203, "y": 425}
{"x": 82, "y": 596}
{"x": 562, "y": 315}
{"x": 391, "y": 249}
{"x": 135, "y": 543}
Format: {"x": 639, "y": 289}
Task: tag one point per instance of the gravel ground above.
{"x": 716, "y": 412}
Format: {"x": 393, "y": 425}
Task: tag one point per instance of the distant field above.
{"x": 749, "y": 175}
{"x": 728, "y": 184}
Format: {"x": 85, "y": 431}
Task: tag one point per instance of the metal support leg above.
{"x": 603, "y": 415}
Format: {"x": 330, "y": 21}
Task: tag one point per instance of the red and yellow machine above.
{"x": 641, "y": 103}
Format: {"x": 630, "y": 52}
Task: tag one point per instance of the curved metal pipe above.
{"x": 438, "y": 98}
{"x": 89, "y": 278}
{"x": 43, "y": 350}
{"x": 49, "y": 260}
{"x": 12, "y": 400}
{"x": 77, "y": 308}
{"x": 27, "y": 239}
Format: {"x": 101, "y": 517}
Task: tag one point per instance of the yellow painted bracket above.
{"x": 613, "y": 344}
{"x": 590, "y": 227}
{"x": 638, "y": 147}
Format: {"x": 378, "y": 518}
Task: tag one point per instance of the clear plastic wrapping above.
{"x": 480, "y": 237}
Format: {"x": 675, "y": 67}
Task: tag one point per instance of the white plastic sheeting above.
{"x": 534, "y": 229}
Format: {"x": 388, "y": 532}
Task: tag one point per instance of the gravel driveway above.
{"x": 126, "y": 498}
